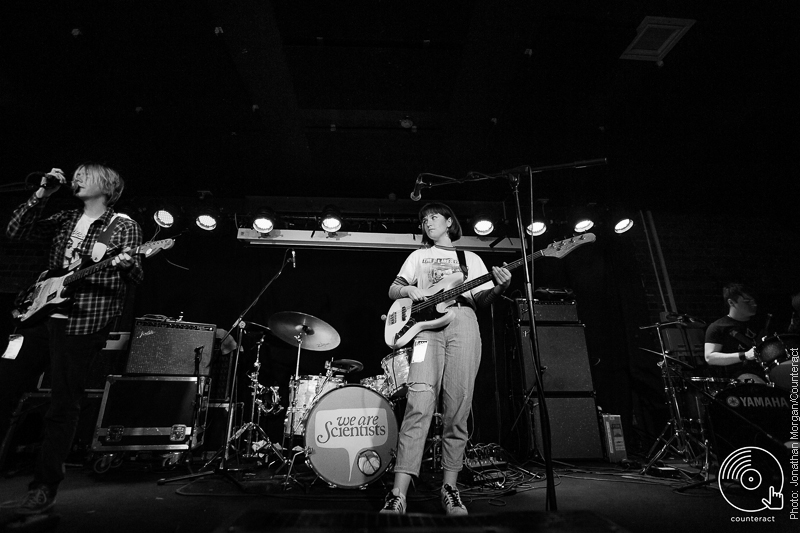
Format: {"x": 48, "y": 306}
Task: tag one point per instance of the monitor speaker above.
{"x": 170, "y": 348}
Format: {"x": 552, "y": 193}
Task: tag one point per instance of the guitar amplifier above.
{"x": 548, "y": 311}
{"x": 169, "y": 347}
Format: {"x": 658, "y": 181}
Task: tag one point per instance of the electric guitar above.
{"x": 54, "y": 288}
{"x": 406, "y": 317}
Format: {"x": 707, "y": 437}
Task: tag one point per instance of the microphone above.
{"x": 416, "y": 194}
{"x": 294, "y": 260}
{"x": 34, "y": 180}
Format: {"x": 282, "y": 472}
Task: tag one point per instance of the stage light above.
{"x": 623, "y": 225}
{"x": 265, "y": 219}
{"x": 582, "y": 218}
{"x": 164, "y": 218}
{"x": 206, "y": 221}
{"x": 331, "y": 220}
{"x": 539, "y": 225}
{"x": 482, "y": 224}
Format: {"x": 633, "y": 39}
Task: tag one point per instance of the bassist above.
{"x": 444, "y": 359}
{"x": 77, "y": 333}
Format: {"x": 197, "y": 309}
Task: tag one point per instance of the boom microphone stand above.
{"x": 223, "y": 469}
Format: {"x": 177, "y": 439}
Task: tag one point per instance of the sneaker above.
{"x": 451, "y": 501}
{"x": 37, "y": 501}
{"x": 395, "y": 503}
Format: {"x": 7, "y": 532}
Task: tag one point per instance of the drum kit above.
{"x": 715, "y": 416}
{"x": 348, "y": 432}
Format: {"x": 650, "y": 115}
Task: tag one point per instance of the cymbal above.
{"x": 316, "y": 335}
{"x": 345, "y": 366}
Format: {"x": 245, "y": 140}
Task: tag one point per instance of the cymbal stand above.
{"x": 679, "y": 441}
{"x": 253, "y": 427}
{"x": 302, "y": 331}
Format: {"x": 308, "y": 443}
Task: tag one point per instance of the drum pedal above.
{"x": 665, "y": 471}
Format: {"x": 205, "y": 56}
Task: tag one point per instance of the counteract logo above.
{"x": 751, "y": 480}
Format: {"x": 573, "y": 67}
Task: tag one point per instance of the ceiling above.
{"x": 240, "y": 97}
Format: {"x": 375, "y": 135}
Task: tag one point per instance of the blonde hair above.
{"x": 111, "y": 183}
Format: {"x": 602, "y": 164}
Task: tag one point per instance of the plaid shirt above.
{"x": 99, "y": 297}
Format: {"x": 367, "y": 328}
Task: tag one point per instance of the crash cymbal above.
{"x": 315, "y": 334}
{"x": 228, "y": 344}
{"x": 345, "y": 366}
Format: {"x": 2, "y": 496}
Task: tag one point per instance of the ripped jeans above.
{"x": 451, "y": 363}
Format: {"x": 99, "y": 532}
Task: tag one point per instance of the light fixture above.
{"x": 264, "y": 221}
{"x": 164, "y": 217}
{"x": 582, "y": 217}
{"x": 206, "y": 221}
{"x": 482, "y": 224}
{"x": 621, "y": 219}
{"x": 538, "y": 225}
{"x": 331, "y": 220}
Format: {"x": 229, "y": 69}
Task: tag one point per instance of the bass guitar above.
{"x": 54, "y": 288}
{"x": 406, "y": 317}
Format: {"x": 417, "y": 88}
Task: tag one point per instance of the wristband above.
{"x": 742, "y": 357}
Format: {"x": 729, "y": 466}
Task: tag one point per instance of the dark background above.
{"x": 238, "y": 98}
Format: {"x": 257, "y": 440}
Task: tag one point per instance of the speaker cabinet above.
{"x": 564, "y": 358}
{"x": 574, "y": 427}
{"x": 169, "y": 348}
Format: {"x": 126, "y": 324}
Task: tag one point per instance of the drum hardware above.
{"x": 224, "y": 453}
{"x": 680, "y": 441}
{"x": 317, "y": 335}
{"x": 775, "y": 354}
{"x": 434, "y": 447}
{"x": 256, "y": 408}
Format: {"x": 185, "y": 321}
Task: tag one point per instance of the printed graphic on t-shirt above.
{"x": 76, "y": 239}
{"x": 438, "y": 268}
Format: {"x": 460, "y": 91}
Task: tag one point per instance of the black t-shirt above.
{"x": 734, "y": 336}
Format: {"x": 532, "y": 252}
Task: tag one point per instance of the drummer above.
{"x": 730, "y": 341}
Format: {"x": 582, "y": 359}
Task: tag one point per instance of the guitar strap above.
{"x": 462, "y": 261}
{"x": 101, "y": 245}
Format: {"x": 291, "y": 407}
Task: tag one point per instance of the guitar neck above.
{"x": 469, "y": 285}
{"x": 97, "y": 267}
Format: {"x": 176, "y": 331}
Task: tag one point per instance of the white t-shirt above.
{"x": 77, "y": 238}
{"x": 427, "y": 266}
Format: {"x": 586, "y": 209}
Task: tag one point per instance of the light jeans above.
{"x": 451, "y": 363}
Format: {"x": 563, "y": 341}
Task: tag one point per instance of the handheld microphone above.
{"x": 294, "y": 260}
{"x": 416, "y": 194}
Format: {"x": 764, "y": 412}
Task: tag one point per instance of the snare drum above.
{"x": 306, "y": 391}
{"x": 776, "y": 354}
{"x": 395, "y": 368}
{"x": 376, "y": 383}
{"x": 350, "y": 437}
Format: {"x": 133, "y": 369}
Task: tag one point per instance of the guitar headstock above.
{"x": 151, "y": 248}
{"x": 559, "y": 249}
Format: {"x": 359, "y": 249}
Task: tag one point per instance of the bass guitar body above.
{"x": 405, "y": 319}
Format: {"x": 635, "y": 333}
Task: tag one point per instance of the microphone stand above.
{"x": 223, "y": 468}
{"x": 513, "y": 175}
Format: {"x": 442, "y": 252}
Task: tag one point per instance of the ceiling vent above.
{"x": 655, "y": 38}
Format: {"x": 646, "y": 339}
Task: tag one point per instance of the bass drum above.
{"x": 750, "y": 415}
{"x": 350, "y": 437}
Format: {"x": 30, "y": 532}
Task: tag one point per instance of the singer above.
{"x": 445, "y": 359}
{"x": 78, "y": 333}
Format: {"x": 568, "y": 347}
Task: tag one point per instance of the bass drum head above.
{"x": 351, "y": 436}
{"x": 750, "y": 415}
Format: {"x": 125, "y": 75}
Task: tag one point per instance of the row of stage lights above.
{"x": 331, "y": 220}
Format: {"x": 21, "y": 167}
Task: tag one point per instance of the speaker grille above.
{"x": 564, "y": 358}
{"x": 168, "y": 347}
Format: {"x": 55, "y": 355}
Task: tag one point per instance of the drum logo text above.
{"x": 757, "y": 401}
{"x": 353, "y": 429}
